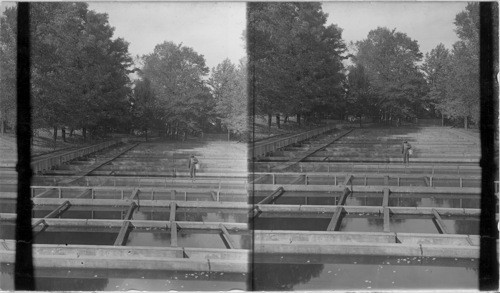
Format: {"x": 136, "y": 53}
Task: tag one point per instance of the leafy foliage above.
{"x": 295, "y": 60}
{"x": 79, "y": 73}
{"x": 390, "y": 60}
{"x": 454, "y": 76}
{"x": 229, "y": 90}
{"x": 177, "y": 73}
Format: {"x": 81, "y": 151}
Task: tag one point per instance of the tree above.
{"x": 437, "y": 69}
{"x": 177, "y": 77}
{"x": 79, "y": 73}
{"x": 143, "y": 104}
{"x": 390, "y": 60}
{"x": 463, "y": 85}
{"x": 8, "y": 28}
{"x": 454, "y": 76}
{"x": 359, "y": 92}
{"x": 229, "y": 91}
{"x": 295, "y": 60}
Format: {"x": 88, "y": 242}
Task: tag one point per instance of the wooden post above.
{"x": 343, "y": 199}
{"x": 335, "y": 222}
{"x": 121, "y": 239}
{"x": 226, "y": 237}
{"x": 130, "y": 211}
{"x": 385, "y": 200}
{"x": 173, "y": 234}
{"x": 386, "y": 220}
{"x": 439, "y": 223}
{"x": 273, "y": 196}
{"x": 173, "y": 209}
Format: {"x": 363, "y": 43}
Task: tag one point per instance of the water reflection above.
{"x": 309, "y": 272}
{"x": 63, "y": 279}
{"x": 272, "y": 277}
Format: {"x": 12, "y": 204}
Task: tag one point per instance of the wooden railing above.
{"x": 263, "y": 148}
{"x": 48, "y": 163}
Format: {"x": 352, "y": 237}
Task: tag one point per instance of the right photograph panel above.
{"x": 365, "y": 144}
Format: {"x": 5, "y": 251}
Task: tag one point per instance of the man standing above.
{"x": 192, "y": 165}
{"x": 406, "y": 153}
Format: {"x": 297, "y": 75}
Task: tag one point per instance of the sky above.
{"x": 430, "y": 23}
{"x": 214, "y": 29}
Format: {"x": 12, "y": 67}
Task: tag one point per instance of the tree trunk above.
{"x": 63, "y": 133}
{"x": 286, "y": 119}
{"x": 71, "y": 130}
{"x": 269, "y": 117}
{"x": 442, "y": 119}
{"x": 228, "y": 135}
{"x": 84, "y": 134}
{"x": 278, "y": 121}
{"x": 2, "y": 128}
{"x": 298, "y": 120}
{"x": 146, "y": 133}
{"x": 466, "y": 123}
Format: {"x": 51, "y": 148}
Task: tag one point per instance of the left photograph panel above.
{"x": 139, "y": 146}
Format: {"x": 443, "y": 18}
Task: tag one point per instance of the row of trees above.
{"x": 296, "y": 68}
{"x": 389, "y": 77}
{"x": 79, "y": 73}
{"x": 174, "y": 94}
{"x": 295, "y": 61}
{"x": 453, "y": 75}
{"x": 80, "y": 79}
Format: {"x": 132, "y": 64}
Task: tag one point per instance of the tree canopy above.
{"x": 390, "y": 60}
{"x": 177, "y": 75}
{"x": 229, "y": 90}
{"x": 295, "y": 59}
{"x": 454, "y": 75}
{"x": 79, "y": 72}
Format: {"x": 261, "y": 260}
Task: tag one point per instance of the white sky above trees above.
{"x": 430, "y": 23}
{"x": 214, "y": 29}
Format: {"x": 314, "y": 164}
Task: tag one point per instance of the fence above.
{"x": 48, "y": 163}
{"x": 265, "y": 148}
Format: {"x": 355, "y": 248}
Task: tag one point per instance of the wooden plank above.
{"x": 226, "y": 238}
{"x": 59, "y": 210}
{"x": 135, "y": 193}
{"x": 85, "y": 193}
{"x": 55, "y": 213}
{"x": 386, "y": 220}
{"x": 260, "y": 179}
{"x": 298, "y": 179}
{"x": 348, "y": 178}
{"x": 130, "y": 211}
{"x": 95, "y": 166}
{"x": 173, "y": 209}
{"x": 121, "y": 239}
{"x": 343, "y": 199}
{"x": 385, "y": 200}
{"x": 173, "y": 234}
{"x": 302, "y": 155}
{"x": 335, "y": 222}
{"x": 439, "y": 223}
{"x": 45, "y": 193}
{"x": 273, "y": 196}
